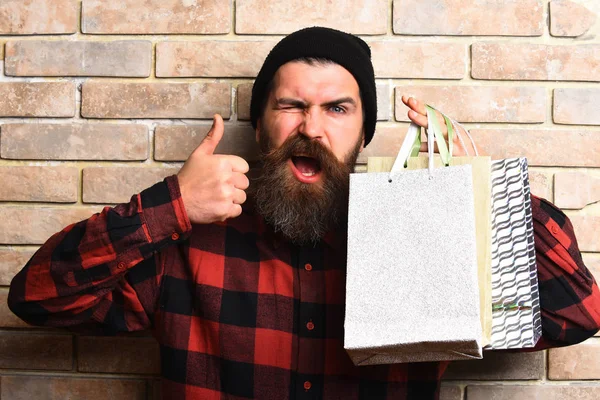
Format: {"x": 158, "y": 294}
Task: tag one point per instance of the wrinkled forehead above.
{"x": 315, "y": 80}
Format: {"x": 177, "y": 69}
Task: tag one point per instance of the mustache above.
{"x": 301, "y": 212}
{"x": 297, "y": 145}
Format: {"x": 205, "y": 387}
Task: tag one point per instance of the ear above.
{"x": 362, "y": 144}
{"x": 257, "y": 130}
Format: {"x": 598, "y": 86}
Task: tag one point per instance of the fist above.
{"x": 212, "y": 185}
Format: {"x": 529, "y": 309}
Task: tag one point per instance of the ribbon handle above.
{"x": 412, "y": 143}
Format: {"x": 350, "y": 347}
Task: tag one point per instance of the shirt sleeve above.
{"x": 103, "y": 274}
{"x": 569, "y": 296}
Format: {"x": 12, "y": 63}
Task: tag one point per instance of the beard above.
{"x": 302, "y": 212}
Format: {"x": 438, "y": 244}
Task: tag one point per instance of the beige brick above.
{"x": 175, "y": 143}
{"x": 386, "y": 142}
{"x": 38, "y": 17}
{"x": 155, "y": 390}
{"x": 493, "y": 103}
{"x": 577, "y": 148}
{"x": 11, "y": 262}
{"x": 211, "y": 58}
{"x": 383, "y": 101}
{"x": 540, "y": 184}
{"x": 244, "y": 95}
{"x": 155, "y": 100}
{"x": 117, "y": 184}
{"x": 575, "y": 362}
{"x": 570, "y": 19}
{"x": 34, "y": 225}
{"x": 576, "y": 106}
{"x": 37, "y": 99}
{"x": 60, "y": 388}
{"x": 499, "y": 366}
{"x": 156, "y": 16}
{"x": 36, "y": 351}
{"x": 450, "y": 392}
{"x": 522, "y": 61}
{"x": 546, "y": 392}
{"x": 369, "y": 17}
{"x": 51, "y": 184}
{"x": 592, "y": 262}
{"x": 63, "y": 58}
{"x": 576, "y": 190}
{"x": 466, "y": 17}
{"x": 587, "y": 231}
{"x": 418, "y": 59}
{"x": 7, "y": 318}
{"x": 124, "y": 355}
{"x": 74, "y": 141}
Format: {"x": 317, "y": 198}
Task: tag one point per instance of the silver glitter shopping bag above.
{"x": 516, "y": 318}
{"x": 412, "y": 284}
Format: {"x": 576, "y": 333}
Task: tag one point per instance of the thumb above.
{"x": 213, "y": 137}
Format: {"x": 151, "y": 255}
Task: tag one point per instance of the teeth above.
{"x": 308, "y": 173}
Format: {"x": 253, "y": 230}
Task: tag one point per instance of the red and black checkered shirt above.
{"x": 240, "y": 313}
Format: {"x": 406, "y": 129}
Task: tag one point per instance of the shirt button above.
{"x": 175, "y": 236}
{"x": 308, "y": 267}
{"x": 121, "y": 265}
{"x": 310, "y": 326}
{"x": 307, "y": 385}
{"x": 554, "y": 229}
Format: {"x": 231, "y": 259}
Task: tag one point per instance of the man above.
{"x": 248, "y": 302}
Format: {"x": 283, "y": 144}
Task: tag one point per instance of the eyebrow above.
{"x": 286, "y": 101}
{"x": 343, "y": 100}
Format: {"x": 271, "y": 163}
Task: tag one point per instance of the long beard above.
{"x": 303, "y": 213}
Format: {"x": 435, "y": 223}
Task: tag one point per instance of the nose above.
{"x": 312, "y": 124}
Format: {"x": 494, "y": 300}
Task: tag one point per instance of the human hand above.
{"x": 213, "y": 186}
{"x": 417, "y": 113}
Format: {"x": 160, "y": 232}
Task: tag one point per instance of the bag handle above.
{"x": 432, "y": 121}
{"x": 412, "y": 143}
{"x": 460, "y": 140}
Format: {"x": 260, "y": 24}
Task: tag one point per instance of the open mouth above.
{"x": 307, "y": 166}
{"x": 306, "y": 169}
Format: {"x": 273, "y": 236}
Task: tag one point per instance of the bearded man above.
{"x": 248, "y": 302}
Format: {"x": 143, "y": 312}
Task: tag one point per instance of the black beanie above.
{"x": 349, "y": 51}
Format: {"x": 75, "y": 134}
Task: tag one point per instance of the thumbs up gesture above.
{"x": 212, "y": 185}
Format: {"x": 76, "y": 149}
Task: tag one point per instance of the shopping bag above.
{"x": 481, "y": 168}
{"x": 412, "y": 283}
{"x": 516, "y": 312}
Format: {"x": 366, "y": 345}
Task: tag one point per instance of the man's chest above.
{"x": 246, "y": 318}
{"x": 253, "y": 299}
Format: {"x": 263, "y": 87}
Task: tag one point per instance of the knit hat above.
{"x": 349, "y": 51}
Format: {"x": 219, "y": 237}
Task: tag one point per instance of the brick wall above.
{"x": 99, "y": 99}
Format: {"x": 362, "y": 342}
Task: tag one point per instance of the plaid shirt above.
{"x": 240, "y": 313}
